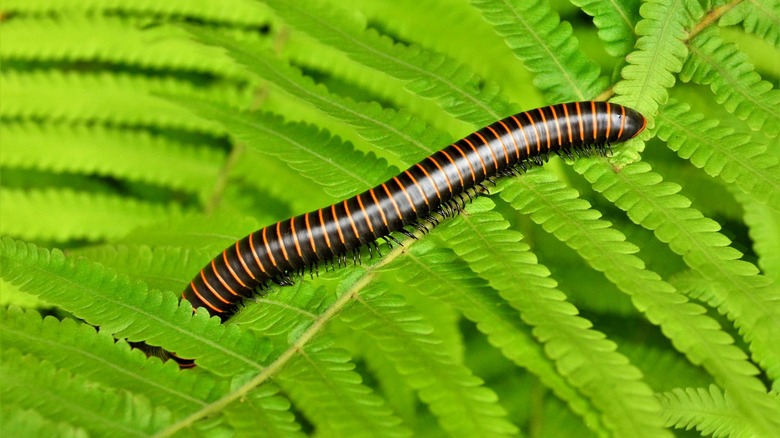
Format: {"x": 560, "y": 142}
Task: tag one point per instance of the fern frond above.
{"x": 663, "y": 368}
{"x": 38, "y": 385}
{"x": 397, "y": 132}
{"x": 128, "y": 310}
{"x": 28, "y": 422}
{"x": 615, "y": 21}
{"x": 323, "y": 384}
{"x": 109, "y": 152}
{"x": 264, "y": 413}
{"x": 582, "y": 355}
{"x": 108, "y": 98}
{"x": 657, "y": 206}
{"x": 432, "y": 269}
{"x": 758, "y": 17}
{"x": 187, "y": 232}
{"x": 229, "y": 11}
{"x": 111, "y": 40}
{"x": 557, "y": 208}
{"x": 165, "y": 268}
{"x": 61, "y": 214}
{"x": 659, "y": 54}
{"x": 733, "y": 81}
{"x": 764, "y": 227}
{"x": 97, "y": 356}
{"x": 721, "y": 152}
{"x": 455, "y": 87}
{"x": 463, "y": 406}
{"x": 710, "y": 412}
{"x": 546, "y": 46}
{"x": 314, "y": 154}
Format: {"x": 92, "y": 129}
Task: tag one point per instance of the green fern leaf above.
{"x": 107, "y": 98}
{"x": 27, "y": 422}
{"x": 658, "y": 206}
{"x": 59, "y": 214}
{"x": 758, "y": 17}
{"x": 187, "y": 232}
{"x": 164, "y": 268}
{"x": 98, "y": 357}
{"x": 710, "y": 412}
{"x": 581, "y": 354}
{"x": 722, "y": 152}
{"x": 111, "y": 40}
{"x": 463, "y": 406}
{"x": 110, "y": 152}
{"x": 659, "y": 54}
{"x": 432, "y": 269}
{"x": 341, "y": 170}
{"x": 615, "y": 21}
{"x": 546, "y": 46}
{"x": 236, "y": 11}
{"x": 53, "y": 393}
{"x": 734, "y": 82}
{"x": 557, "y": 209}
{"x": 397, "y": 132}
{"x": 322, "y": 382}
{"x": 764, "y": 228}
{"x": 128, "y": 310}
{"x": 264, "y": 413}
{"x": 457, "y": 89}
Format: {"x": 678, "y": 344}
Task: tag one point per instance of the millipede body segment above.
{"x": 439, "y": 184}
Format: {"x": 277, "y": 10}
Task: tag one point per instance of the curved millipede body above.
{"x": 435, "y": 185}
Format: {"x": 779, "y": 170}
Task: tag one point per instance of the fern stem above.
{"x": 710, "y": 18}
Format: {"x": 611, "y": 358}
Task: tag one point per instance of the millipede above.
{"x": 435, "y": 188}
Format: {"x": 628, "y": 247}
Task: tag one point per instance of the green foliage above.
{"x": 611, "y": 297}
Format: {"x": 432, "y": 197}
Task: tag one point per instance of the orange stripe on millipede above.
{"x": 232, "y": 272}
{"x": 460, "y": 176}
{"x": 311, "y": 234}
{"x": 414, "y": 181}
{"x": 209, "y": 287}
{"x": 609, "y": 120}
{"x": 536, "y": 131}
{"x": 395, "y": 205}
{"x": 379, "y": 207}
{"x": 521, "y": 128}
{"x": 446, "y": 177}
{"x": 254, "y": 252}
{"x": 568, "y": 122}
{"x": 281, "y": 242}
{"x": 324, "y": 231}
{"x": 512, "y": 136}
{"x": 351, "y": 222}
{"x": 546, "y": 128}
{"x": 557, "y": 125}
{"x": 500, "y": 140}
{"x": 203, "y": 300}
{"x": 463, "y": 154}
{"x": 222, "y": 280}
{"x": 295, "y": 238}
{"x": 403, "y": 189}
{"x": 479, "y": 157}
{"x": 622, "y": 120}
{"x": 595, "y": 119}
{"x": 338, "y": 224}
{"x": 579, "y": 121}
{"x": 241, "y": 260}
{"x": 433, "y": 183}
{"x": 365, "y": 214}
{"x": 268, "y": 249}
{"x": 489, "y": 148}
